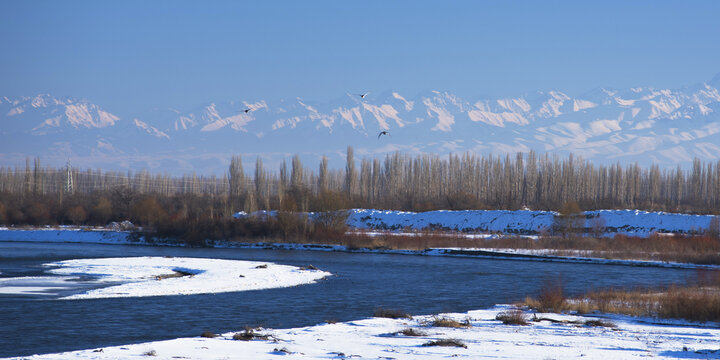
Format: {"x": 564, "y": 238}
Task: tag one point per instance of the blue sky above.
{"x": 131, "y": 56}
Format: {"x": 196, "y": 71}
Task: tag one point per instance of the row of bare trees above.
{"x": 471, "y": 181}
{"x": 397, "y": 181}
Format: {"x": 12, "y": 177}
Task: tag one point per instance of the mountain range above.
{"x": 668, "y": 127}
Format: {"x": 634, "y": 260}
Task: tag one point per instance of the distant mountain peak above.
{"x": 640, "y": 124}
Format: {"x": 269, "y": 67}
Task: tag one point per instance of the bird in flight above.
{"x": 247, "y": 110}
{"x": 384, "y": 132}
{"x": 362, "y": 96}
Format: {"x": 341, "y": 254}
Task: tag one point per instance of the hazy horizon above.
{"x": 134, "y": 56}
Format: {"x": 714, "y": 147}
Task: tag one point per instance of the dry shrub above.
{"x": 698, "y": 249}
{"x": 292, "y": 225}
{"x": 707, "y": 277}
{"x": 329, "y": 225}
{"x": 367, "y": 242}
{"x": 713, "y": 229}
{"x": 551, "y": 297}
{"x": 513, "y": 317}
{"x": 639, "y": 302}
{"x": 391, "y": 314}
{"x": 250, "y": 334}
{"x": 449, "y": 323}
{"x": 690, "y": 304}
{"x": 600, "y": 323}
{"x": 412, "y": 332}
{"x": 446, "y": 342}
{"x": 694, "y": 303}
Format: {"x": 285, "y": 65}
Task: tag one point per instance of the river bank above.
{"x": 107, "y": 236}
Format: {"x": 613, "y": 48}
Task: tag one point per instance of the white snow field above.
{"x": 64, "y": 234}
{"x": 160, "y": 276}
{"x": 608, "y": 222}
{"x": 377, "y": 338}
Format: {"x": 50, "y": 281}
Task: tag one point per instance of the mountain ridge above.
{"x": 669, "y": 127}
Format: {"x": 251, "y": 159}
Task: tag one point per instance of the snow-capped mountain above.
{"x": 665, "y": 126}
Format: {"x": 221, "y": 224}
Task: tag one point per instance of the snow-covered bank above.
{"x": 527, "y": 222}
{"x": 607, "y": 222}
{"x": 74, "y": 235}
{"x": 158, "y": 276}
{"x": 486, "y": 337}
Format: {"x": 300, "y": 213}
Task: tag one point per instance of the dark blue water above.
{"x": 362, "y": 282}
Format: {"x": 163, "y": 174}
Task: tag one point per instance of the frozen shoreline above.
{"x": 128, "y": 238}
{"x": 566, "y": 336}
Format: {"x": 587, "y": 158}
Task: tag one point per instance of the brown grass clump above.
{"x": 697, "y": 249}
{"x": 446, "y": 342}
{"x": 600, "y": 323}
{"x": 615, "y": 301}
{"x": 692, "y": 304}
{"x": 391, "y": 314}
{"x": 250, "y": 334}
{"x": 412, "y": 332}
{"x": 513, "y": 317}
{"x": 552, "y": 297}
{"x": 449, "y": 323}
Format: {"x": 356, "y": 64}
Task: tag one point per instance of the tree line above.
{"x": 44, "y": 195}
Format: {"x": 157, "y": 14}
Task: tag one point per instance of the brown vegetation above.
{"x": 513, "y": 317}
{"x": 250, "y": 334}
{"x": 446, "y": 342}
{"x": 209, "y": 334}
{"x": 696, "y": 301}
{"x": 449, "y": 323}
{"x": 551, "y": 297}
{"x": 391, "y": 314}
{"x": 600, "y": 323}
{"x": 412, "y": 332}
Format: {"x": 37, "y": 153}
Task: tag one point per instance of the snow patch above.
{"x": 162, "y": 276}
{"x": 445, "y": 118}
{"x": 579, "y": 105}
{"x": 408, "y": 104}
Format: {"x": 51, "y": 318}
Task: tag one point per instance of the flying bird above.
{"x": 384, "y": 132}
{"x": 362, "y": 96}
{"x": 247, "y": 110}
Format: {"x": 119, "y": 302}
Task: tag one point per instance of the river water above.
{"x": 32, "y": 324}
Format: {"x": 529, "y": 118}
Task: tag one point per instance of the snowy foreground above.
{"x": 565, "y": 337}
{"x": 158, "y": 276}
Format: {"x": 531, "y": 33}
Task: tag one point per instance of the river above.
{"x": 32, "y": 324}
